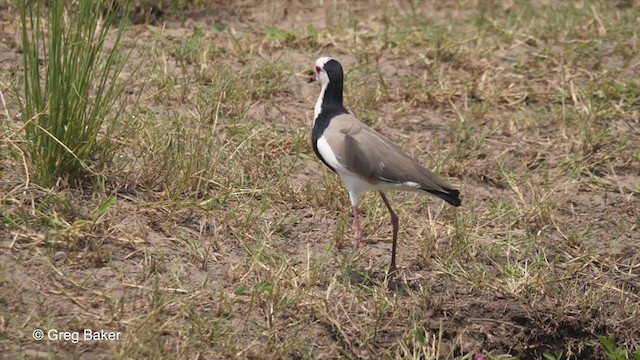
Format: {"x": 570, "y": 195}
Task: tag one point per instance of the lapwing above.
{"x": 364, "y": 158}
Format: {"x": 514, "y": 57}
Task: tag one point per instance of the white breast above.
{"x": 318, "y": 108}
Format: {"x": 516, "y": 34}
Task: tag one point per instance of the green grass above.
{"x": 214, "y": 232}
{"x": 71, "y": 88}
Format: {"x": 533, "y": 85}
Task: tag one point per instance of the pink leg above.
{"x": 394, "y": 223}
{"x": 356, "y": 223}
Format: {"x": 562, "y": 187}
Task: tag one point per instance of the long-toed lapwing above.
{"x": 364, "y": 158}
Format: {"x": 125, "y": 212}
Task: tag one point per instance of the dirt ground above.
{"x": 537, "y": 121}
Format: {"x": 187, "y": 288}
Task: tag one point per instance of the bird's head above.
{"x": 327, "y": 70}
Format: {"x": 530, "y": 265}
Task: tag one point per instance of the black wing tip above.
{"x": 455, "y": 201}
{"x": 451, "y": 196}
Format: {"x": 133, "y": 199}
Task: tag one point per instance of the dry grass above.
{"x": 227, "y": 238}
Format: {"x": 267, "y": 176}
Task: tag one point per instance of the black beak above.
{"x": 313, "y": 78}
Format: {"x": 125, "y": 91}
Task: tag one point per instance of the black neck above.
{"x": 333, "y": 95}
{"x": 332, "y": 100}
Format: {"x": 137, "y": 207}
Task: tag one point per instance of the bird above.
{"x": 365, "y": 159}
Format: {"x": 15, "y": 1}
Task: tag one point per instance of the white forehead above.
{"x": 323, "y": 60}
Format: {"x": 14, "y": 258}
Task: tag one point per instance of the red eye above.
{"x": 318, "y": 69}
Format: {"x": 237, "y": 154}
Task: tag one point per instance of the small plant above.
{"x": 70, "y": 85}
{"x": 280, "y": 35}
{"x": 616, "y": 353}
{"x": 555, "y": 356}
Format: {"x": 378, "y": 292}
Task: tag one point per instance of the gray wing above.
{"x": 375, "y": 158}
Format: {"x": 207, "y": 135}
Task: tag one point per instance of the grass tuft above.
{"x": 71, "y": 87}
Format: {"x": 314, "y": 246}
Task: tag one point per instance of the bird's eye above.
{"x": 317, "y": 69}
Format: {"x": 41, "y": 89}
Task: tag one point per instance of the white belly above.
{"x": 355, "y": 184}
